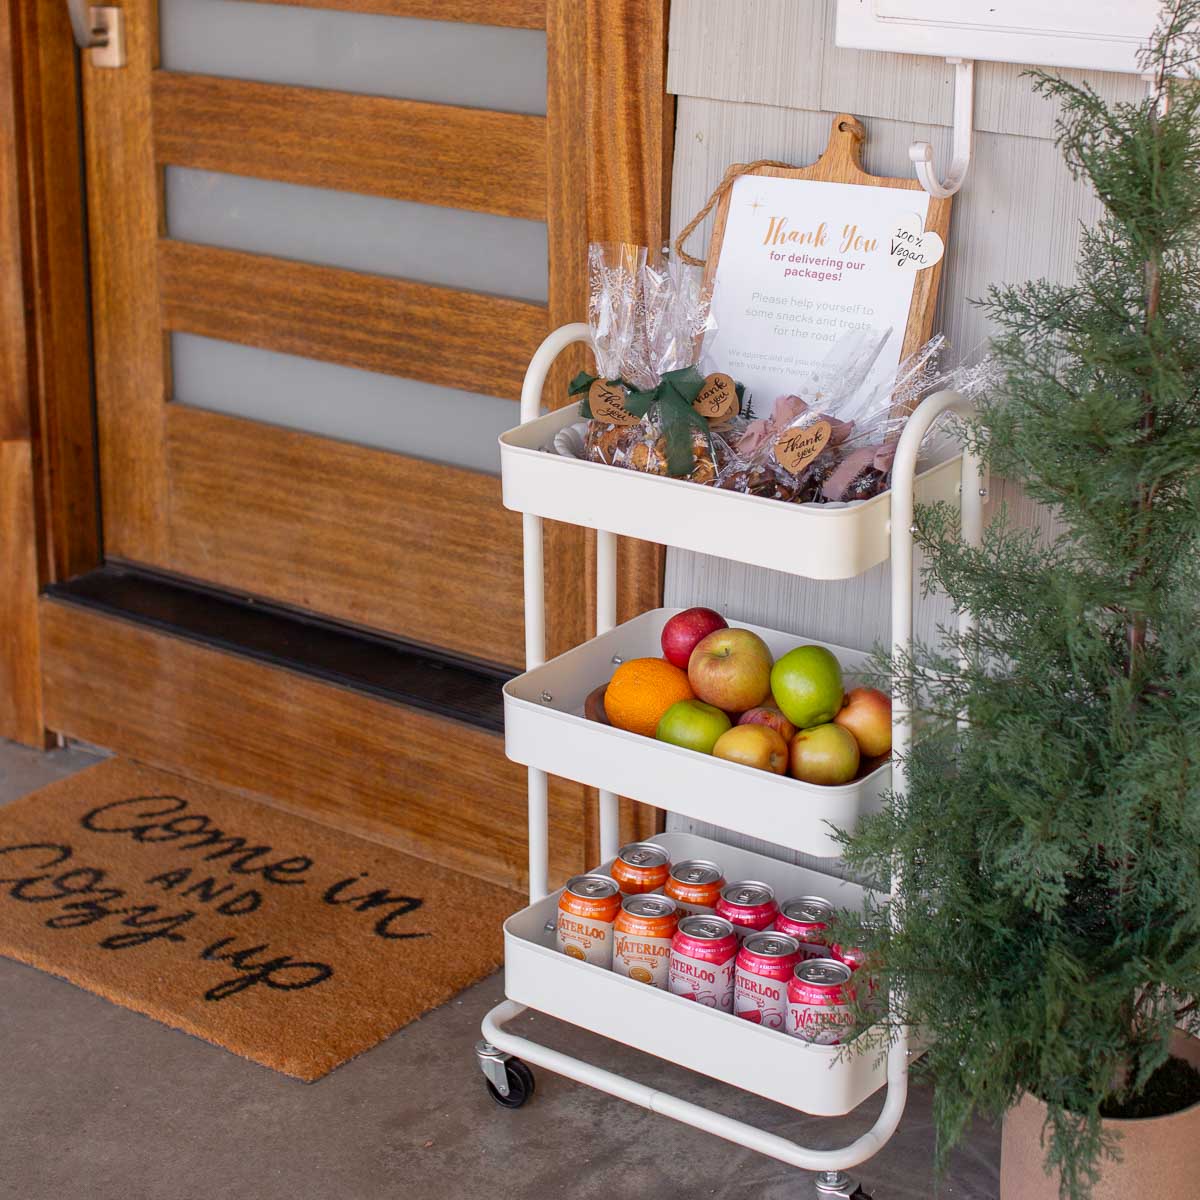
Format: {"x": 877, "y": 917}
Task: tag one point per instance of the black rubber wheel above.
{"x": 520, "y": 1085}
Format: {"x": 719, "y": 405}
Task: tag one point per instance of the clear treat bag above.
{"x": 648, "y": 319}
{"x": 834, "y": 438}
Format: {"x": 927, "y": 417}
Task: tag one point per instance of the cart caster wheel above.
{"x": 520, "y": 1085}
{"x": 838, "y": 1184}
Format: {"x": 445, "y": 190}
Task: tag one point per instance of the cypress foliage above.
{"x": 1049, "y": 934}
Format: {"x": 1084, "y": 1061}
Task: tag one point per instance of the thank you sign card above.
{"x": 804, "y": 262}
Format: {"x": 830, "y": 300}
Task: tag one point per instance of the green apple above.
{"x": 807, "y": 685}
{"x": 824, "y": 754}
{"x": 693, "y": 725}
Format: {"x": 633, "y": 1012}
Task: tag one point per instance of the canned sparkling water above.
{"x": 764, "y": 965}
{"x": 749, "y": 906}
{"x": 856, "y": 958}
{"x": 641, "y": 867}
{"x": 807, "y": 919}
{"x": 703, "y": 953}
{"x": 642, "y": 938}
{"x": 819, "y": 996}
{"x": 695, "y": 885}
{"x": 587, "y": 909}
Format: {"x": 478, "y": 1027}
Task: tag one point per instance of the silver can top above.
{"x": 593, "y": 887}
{"x": 771, "y": 945}
{"x": 649, "y": 906}
{"x": 748, "y": 893}
{"x": 813, "y": 910}
{"x": 696, "y": 871}
{"x": 643, "y": 854}
{"x": 823, "y": 972}
{"x": 705, "y": 928}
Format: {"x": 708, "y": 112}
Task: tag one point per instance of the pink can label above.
{"x": 708, "y": 983}
{"x": 759, "y": 999}
{"x": 824, "y": 1024}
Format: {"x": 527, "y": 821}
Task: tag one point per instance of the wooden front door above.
{"x": 295, "y": 419}
{"x": 361, "y": 534}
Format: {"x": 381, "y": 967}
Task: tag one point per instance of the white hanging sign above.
{"x": 804, "y": 262}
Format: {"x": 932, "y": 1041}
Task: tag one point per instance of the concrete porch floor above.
{"x": 101, "y": 1103}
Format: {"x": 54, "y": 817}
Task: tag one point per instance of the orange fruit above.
{"x": 641, "y": 690}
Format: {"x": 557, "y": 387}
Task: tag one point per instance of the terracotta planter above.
{"x": 1160, "y": 1156}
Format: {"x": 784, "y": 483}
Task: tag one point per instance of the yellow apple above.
{"x": 754, "y": 746}
{"x": 868, "y": 715}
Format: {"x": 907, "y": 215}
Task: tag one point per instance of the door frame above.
{"x": 49, "y": 514}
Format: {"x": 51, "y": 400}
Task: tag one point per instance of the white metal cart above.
{"x": 546, "y": 730}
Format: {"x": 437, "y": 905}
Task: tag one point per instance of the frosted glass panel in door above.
{"x": 477, "y": 66}
{"x": 504, "y": 256}
{"x": 417, "y": 419}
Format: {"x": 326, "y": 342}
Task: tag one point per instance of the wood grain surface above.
{"x": 436, "y": 334}
{"x": 404, "y": 149}
{"x": 421, "y": 550}
{"x": 20, "y": 667}
{"x": 430, "y": 786}
{"x": 520, "y": 14}
{"x": 55, "y": 269}
{"x": 130, "y": 363}
{"x": 841, "y": 162}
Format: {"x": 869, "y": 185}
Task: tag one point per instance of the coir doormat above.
{"x": 284, "y": 941}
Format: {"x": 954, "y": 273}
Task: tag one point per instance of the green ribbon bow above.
{"x": 674, "y": 396}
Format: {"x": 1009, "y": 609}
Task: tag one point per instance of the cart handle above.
{"x": 539, "y": 365}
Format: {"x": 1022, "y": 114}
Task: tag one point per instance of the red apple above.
{"x": 868, "y": 715}
{"x": 681, "y": 633}
{"x": 824, "y": 754}
{"x": 731, "y": 669}
{"x": 754, "y": 746}
{"x": 771, "y": 717}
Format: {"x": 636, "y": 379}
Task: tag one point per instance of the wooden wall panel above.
{"x": 422, "y": 550}
{"x": 520, "y": 14}
{"x": 130, "y": 355}
{"x": 56, "y": 291}
{"x": 433, "y": 153}
{"x": 436, "y": 334}
{"x": 425, "y": 785}
{"x": 20, "y": 692}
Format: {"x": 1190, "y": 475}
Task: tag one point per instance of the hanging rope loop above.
{"x": 727, "y": 181}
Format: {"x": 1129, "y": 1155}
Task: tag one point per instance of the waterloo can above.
{"x": 695, "y": 885}
{"x": 587, "y": 909}
{"x": 641, "y": 867}
{"x": 765, "y": 963}
{"x": 642, "y": 936}
{"x": 856, "y": 958}
{"x": 748, "y": 905}
{"x": 807, "y": 919}
{"x": 703, "y": 953}
{"x": 820, "y": 997}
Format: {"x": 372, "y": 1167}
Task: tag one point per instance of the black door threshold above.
{"x": 384, "y": 667}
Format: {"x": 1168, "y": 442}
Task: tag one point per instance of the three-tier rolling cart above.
{"x": 547, "y": 731}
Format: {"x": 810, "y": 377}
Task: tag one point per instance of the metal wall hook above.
{"x": 921, "y": 153}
